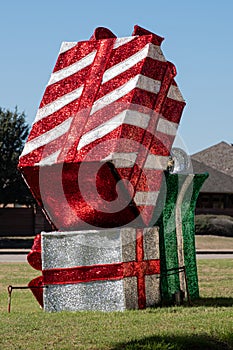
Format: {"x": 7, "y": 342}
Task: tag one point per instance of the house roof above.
{"x": 219, "y": 157}
{"x": 217, "y": 182}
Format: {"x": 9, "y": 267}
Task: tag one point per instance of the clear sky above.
{"x": 198, "y": 40}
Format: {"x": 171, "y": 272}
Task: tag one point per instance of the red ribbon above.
{"x": 80, "y": 274}
{"x": 34, "y": 256}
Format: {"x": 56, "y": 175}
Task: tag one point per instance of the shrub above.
{"x": 219, "y": 225}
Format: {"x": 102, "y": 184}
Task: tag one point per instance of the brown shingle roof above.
{"x": 217, "y": 182}
{"x": 219, "y": 157}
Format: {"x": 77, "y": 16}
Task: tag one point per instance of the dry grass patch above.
{"x": 214, "y": 243}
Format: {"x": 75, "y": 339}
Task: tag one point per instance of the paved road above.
{"x": 13, "y": 258}
{"x": 23, "y": 257}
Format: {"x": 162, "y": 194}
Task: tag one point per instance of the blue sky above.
{"x": 198, "y": 40}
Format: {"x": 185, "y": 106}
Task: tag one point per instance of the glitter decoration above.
{"x": 110, "y": 112}
{"x": 95, "y": 160}
{"x": 67, "y": 249}
{"x": 90, "y": 270}
{"x": 34, "y": 256}
{"x": 101, "y": 296}
{"x": 169, "y": 235}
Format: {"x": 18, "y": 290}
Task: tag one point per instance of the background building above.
{"x": 216, "y": 196}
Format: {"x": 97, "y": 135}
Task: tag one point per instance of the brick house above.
{"x": 216, "y": 196}
{"x": 22, "y": 221}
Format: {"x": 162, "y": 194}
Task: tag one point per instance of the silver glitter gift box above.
{"x": 108, "y": 270}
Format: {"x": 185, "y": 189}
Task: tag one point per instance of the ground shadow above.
{"x": 207, "y": 302}
{"x": 194, "y": 342}
{"x": 214, "y": 302}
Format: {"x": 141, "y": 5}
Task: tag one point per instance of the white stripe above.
{"x": 148, "y": 84}
{"x": 167, "y": 127}
{"x": 65, "y": 46}
{"x": 122, "y": 160}
{"x": 121, "y": 41}
{"x": 137, "y": 119}
{"x": 174, "y": 93}
{"x": 148, "y": 50}
{"x": 156, "y": 53}
{"x": 156, "y": 162}
{"x": 72, "y": 69}
{"x": 146, "y": 198}
{"x": 126, "y": 117}
{"x": 47, "y": 137}
{"x": 59, "y": 103}
{"x": 101, "y": 130}
{"x": 51, "y": 159}
{"x": 139, "y": 81}
{"x": 124, "y": 65}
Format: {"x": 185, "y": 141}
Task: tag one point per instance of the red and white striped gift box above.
{"x": 108, "y": 100}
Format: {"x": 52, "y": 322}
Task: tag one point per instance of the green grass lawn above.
{"x": 208, "y": 324}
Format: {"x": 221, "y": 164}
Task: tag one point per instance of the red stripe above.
{"x": 172, "y": 110}
{"x": 83, "y": 274}
{"x": 64, "y": 86}
{"x": 154, "y": 69}
{"x": 166, "y": 83}
{"x": 74, "y": 54}
{"x": 159, "y": 147}
{"x": 140, "y": 267}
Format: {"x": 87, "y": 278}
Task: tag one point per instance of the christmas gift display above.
{"x": 97, "y": 161}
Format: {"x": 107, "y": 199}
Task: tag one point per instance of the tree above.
{"x": 13, "y": 133}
